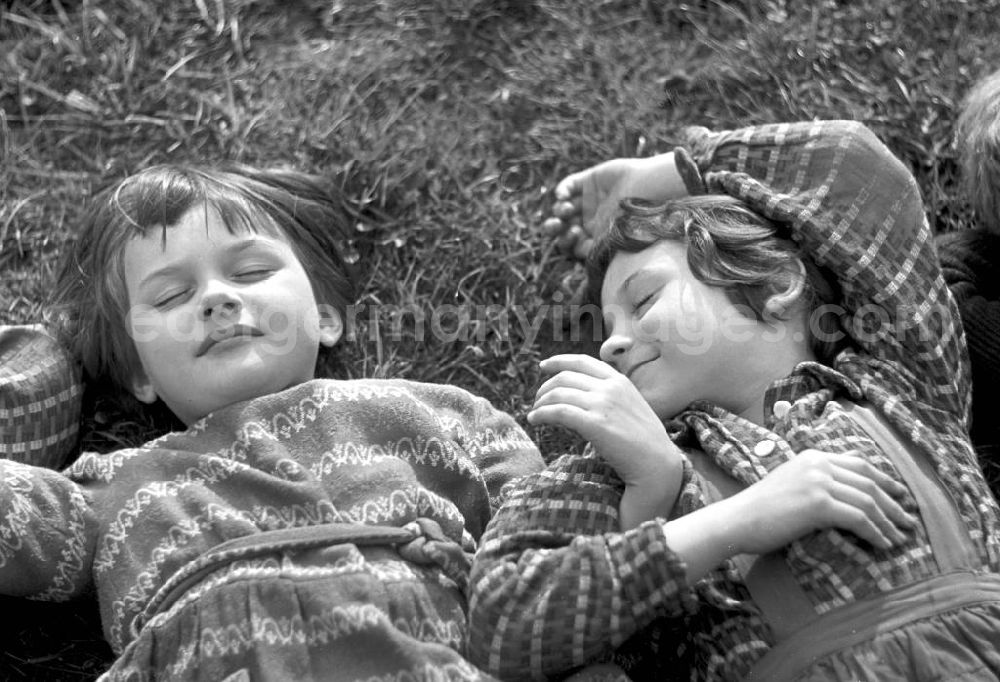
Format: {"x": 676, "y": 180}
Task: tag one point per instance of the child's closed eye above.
{"x": 253, "y": 274}
{"x": 171, "y": 298}
{"x": 642, "y": 303}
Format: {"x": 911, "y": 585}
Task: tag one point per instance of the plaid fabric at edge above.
{"x": 40, "y": 394}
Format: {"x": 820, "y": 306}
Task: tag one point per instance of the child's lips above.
{"x": 631, "y": 370}
{"x": 220, "y": 335}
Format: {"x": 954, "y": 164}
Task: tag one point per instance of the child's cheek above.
{"x": 147, "y": 325}
{"x": 142, "y": 323}
{"x": 285, "y": 331}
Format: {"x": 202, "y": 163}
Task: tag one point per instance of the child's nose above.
{"x": 614, "y": 347}
{"x": 220, "y": 302}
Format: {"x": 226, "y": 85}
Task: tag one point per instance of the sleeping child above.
{"x": 297, "y": 528}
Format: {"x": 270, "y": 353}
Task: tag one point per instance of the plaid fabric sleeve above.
{"x": 40, "y": 393}
{"x": 857, "y": 210}
{"x": 555, "y": 584}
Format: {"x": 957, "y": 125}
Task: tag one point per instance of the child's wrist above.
{"x": 706, "y": 537}
{"x": 733, "y": 524}
{"x": 642, "y": 502}
{"x": 653, "y": 178}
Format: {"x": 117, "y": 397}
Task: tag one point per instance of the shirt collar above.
{"x": 808, "y": 377}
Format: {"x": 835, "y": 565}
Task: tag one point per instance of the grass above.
{"x": 452, "y": 119}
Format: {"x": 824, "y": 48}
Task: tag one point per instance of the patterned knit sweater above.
{"x": 362, "y": 452}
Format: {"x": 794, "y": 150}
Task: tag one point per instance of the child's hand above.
{"x": 601, "y": 404}
{"x": 586, "y": 201}
{"x": 813, "y": 491}
{"x": 818, "y": 490}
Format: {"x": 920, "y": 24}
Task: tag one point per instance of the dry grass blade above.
{"x": 4, "y": 139}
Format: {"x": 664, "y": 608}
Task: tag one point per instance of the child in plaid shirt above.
{"x": 792, "y": 304}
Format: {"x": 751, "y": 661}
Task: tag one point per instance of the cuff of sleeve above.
{"x": 688, "y": 170}
{"x": 653, "y": 577}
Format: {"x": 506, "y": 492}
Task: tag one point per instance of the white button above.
{"x": 781, "y": 408}
{"x": 764, "y": 448}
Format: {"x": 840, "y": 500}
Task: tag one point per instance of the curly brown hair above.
{"x": 728, "y": 246}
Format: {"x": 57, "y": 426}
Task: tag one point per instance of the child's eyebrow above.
{"x": 630, "y": 280}
{"x": 161, "y": 273}
{"x": 250, "y": 243}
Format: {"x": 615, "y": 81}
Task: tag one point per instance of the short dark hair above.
{"x": 728, "y": 246}
{"x": 90, "y": 301}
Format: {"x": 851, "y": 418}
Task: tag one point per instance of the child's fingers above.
{"x": 880, "y": 510}
{"x": 553, "y": 227}
{"x": 569, "y": 187}
{"x": 852, "y": 461}
{"x": 566, "y": 379}
{"x": 565, "y": 395}
{"x": 566, "y": 210}
{"x": 883, "y": 489}
{"x": 560, "y": 414}
{"x": 569, "y": 241}
{"x": 848, "y": 516}
{"x": 855, "y": 463}
{"x": 584, "y": 364}
{"x": 892, "y": 509}
{"x": 864, "y": 476}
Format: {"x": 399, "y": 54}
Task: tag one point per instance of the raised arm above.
{"x": 857, "y": 211}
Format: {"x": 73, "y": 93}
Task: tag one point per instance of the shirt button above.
{"x": 781, "y": 408}
{"x": 763, "y": 448}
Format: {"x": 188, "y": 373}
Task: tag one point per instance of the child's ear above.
{"x": 142, "y": 388}
{"x": 779, "y": 303}
{"x": 331, "y": 327}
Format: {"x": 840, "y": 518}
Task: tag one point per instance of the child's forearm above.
{"x": 705, "y": 538}
{"x": 655, "y": 178}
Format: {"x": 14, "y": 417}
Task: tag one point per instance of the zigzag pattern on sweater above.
{"x": 434, "y": 452}
{"x": 212, "y": 470}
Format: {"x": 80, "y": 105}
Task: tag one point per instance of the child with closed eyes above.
{"x": 295, "y": 528}
{"x": 774, "y": 317}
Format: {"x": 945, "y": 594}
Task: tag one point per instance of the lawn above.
{"x": 447, "y": 122}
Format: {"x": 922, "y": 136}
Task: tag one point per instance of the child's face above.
{"x": 678, "y": 339}
{"x": 217, "y": 317}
